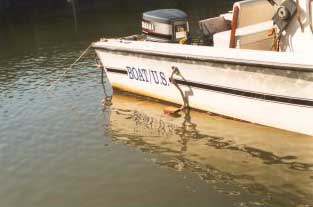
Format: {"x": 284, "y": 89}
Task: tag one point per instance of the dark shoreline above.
{"x": 52, "y": 5}
{"x": 39, "y": 23}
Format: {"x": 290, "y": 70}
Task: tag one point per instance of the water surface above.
{"x": 60, "y": 147}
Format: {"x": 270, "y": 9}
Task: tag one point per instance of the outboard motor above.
{"x": 165, "y": 25}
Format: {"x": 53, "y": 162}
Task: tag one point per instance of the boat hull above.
{"x": 280, "y": 98}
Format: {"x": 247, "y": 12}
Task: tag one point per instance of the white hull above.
{"x": 277, "y": 93}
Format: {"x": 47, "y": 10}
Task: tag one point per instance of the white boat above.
{"x": 254, "y": 63}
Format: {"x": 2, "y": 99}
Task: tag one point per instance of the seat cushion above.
{"x": 254, "y": 12}
{"x": 250, "y": 37}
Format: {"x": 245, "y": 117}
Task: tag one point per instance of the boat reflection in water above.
{"x": 260, "y": 160}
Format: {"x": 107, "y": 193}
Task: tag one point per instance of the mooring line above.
{"x": 69, "y": 68}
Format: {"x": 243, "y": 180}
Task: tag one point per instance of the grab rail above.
{"x": 232, "y": 42}
{"x": 310, "y": 15}
{"x": 299, "y": 16}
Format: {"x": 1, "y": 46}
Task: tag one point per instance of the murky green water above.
{"x": 61, "y": 148}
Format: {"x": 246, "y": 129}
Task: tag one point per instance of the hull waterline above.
{"x": 277, "y": 94}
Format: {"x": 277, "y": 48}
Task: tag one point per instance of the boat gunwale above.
{"x": 239, "y": 62}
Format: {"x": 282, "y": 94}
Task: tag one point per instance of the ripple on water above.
{"x": 265, "y": 162}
